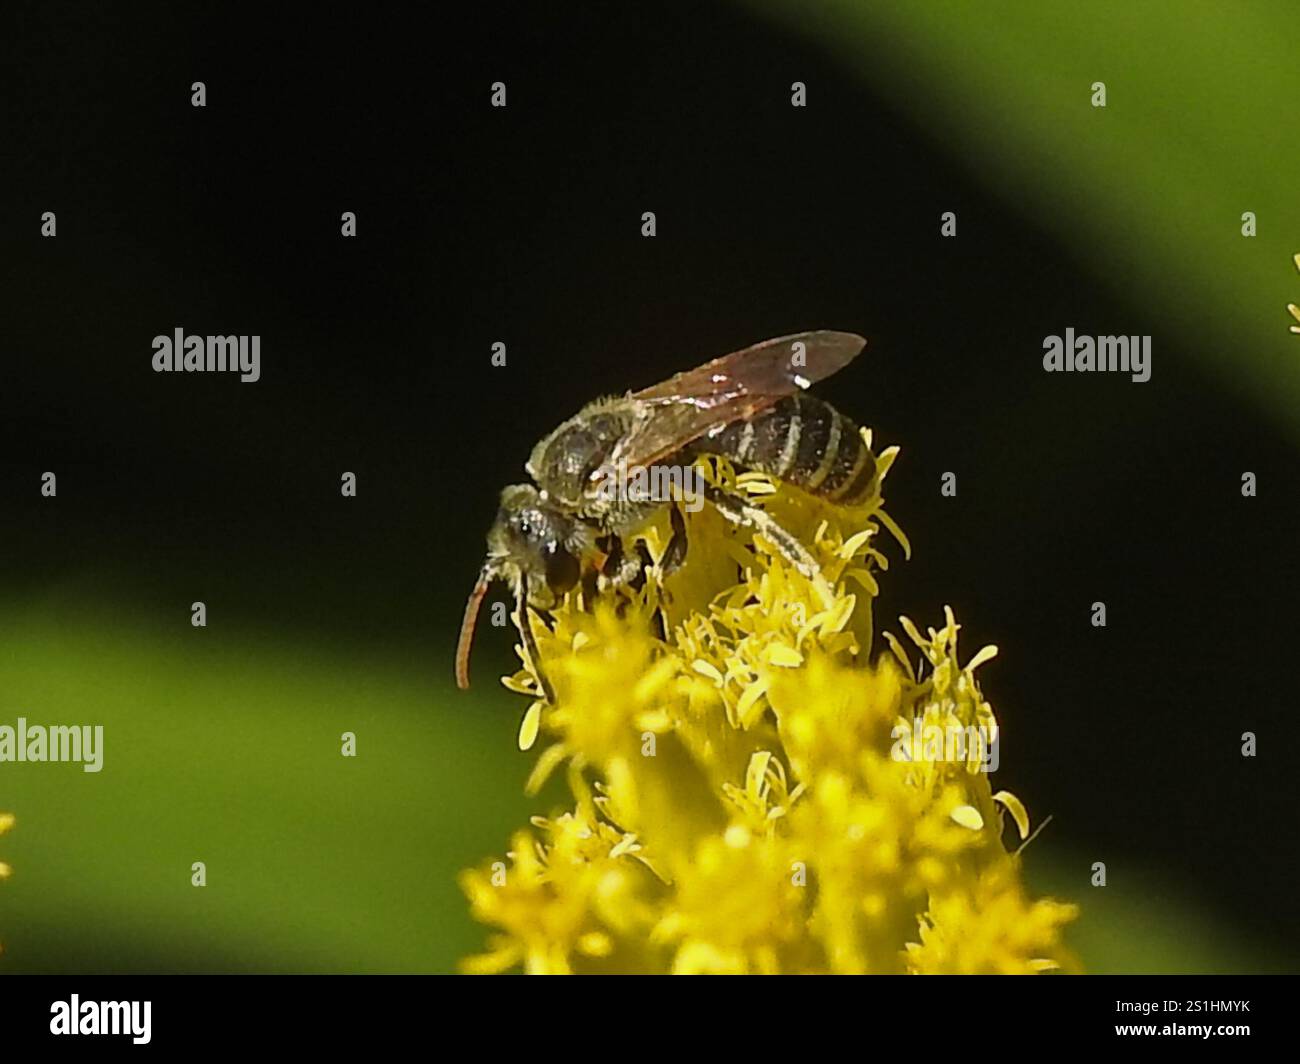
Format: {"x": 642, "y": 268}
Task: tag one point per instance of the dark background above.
{"x": 523, "y": 225}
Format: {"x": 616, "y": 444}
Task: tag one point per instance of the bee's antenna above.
{"x": 466, "y": 640}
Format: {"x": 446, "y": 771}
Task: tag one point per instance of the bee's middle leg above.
{"x": 622, "y": 569}
{"x": 675, "y": 553}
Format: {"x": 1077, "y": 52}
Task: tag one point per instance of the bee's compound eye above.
{"x": 530, "y": 524}
{"x": 562, "y": 569}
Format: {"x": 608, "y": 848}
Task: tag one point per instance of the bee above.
{"x": 749, "y": 407}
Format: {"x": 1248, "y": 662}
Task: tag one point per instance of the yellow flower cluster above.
{"x": 753, "y": 793}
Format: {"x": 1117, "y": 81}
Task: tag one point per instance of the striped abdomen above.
{"x": 802, "y": 441}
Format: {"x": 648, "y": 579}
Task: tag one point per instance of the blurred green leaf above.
{"x": 229, "y": 753}
{"x": 1148, "y": 192}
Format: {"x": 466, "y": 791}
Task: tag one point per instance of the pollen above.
{"x": 6, "y": 822}
{"x": 1295, "y": 311}
{"x": 758, "y": 782}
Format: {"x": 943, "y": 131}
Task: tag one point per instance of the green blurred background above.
{"x": 329, "y": 615}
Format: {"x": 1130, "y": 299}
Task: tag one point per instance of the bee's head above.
{"x": 535, "y": 547}
{"x": 535, "y": 540}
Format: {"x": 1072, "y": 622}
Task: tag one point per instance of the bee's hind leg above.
{"x": 740, "y": 512}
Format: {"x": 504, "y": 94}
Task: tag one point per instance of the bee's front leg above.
{"x": 523, "y": 621}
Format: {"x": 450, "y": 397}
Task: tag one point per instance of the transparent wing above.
{"x": 774, "y": 367}
{"x": 731, "y": 388}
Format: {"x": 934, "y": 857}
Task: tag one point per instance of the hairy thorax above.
{"x": 562, "y": 464}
